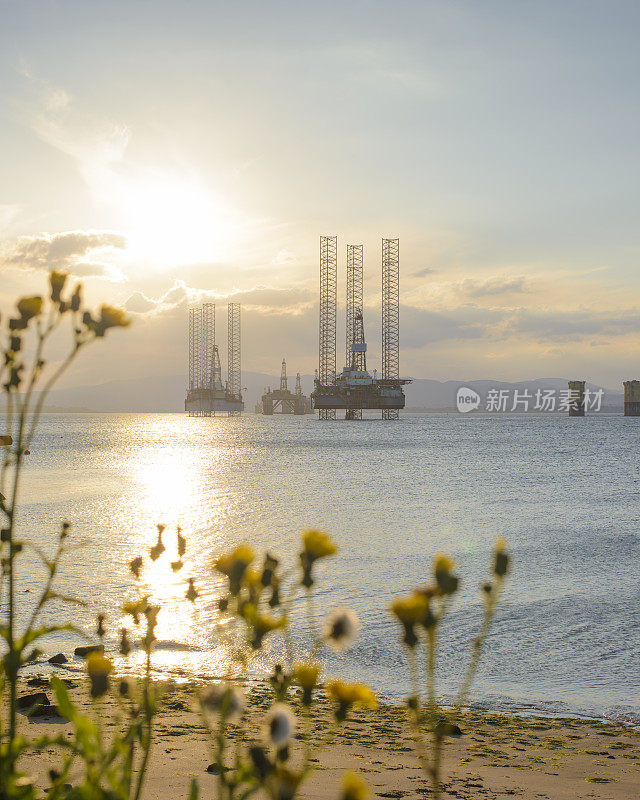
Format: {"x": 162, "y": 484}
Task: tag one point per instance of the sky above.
{"x": 167, "y": 153}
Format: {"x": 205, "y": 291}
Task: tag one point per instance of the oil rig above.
{"x": 355, "y": 389}
{"x": 207, "y": 395}
{"x": 284, "y": 399}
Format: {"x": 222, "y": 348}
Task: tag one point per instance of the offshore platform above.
{"x": 207, "y": 395}
{"x": 284, "y": 399}
{"x": 355, "y": 389}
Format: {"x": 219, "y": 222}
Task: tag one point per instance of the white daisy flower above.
{"x": 221, "y": 698}
{"x": 280, "y": 725}
{"x": 341, "y": 628}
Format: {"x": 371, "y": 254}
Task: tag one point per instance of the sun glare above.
{"x": 172, "y": 221}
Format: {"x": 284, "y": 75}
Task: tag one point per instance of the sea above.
{"x": 564, "y": 492}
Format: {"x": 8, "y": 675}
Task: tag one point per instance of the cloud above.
{"x": 421, "y": 326}
{"x": 545, "y": 326}
{"x": 178, "y": 294}
{"x": 422, "y": 273}
{"x": 492, "y": 286}
{"x": 263, "y": 299}
{"x": 68, "y": 250}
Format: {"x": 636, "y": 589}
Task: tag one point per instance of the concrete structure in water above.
{"x": 355, "y": 389}
{"x": 631, "y": 398}
{"x": 576, "y": 398}
{"x": 284, "y": 399}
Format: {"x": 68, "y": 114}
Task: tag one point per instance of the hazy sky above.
{"x": 171, "y": 151}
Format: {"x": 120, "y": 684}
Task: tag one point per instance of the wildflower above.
{"x": 442, "y": 569}
{"x": 136, "y": 565}
{"x": 57, "y": 279}
{"x": 341, "y": 628}
{"x": 76, "y": 298}
{"x": 268, "y": 569}
{"x": 110, "y": 317}
{"x": 501, "y": 562}
{"x": 135, "y": 608}
{"x": 100, "y": 628}
{"x": 353, "y": 787}
{"x": 182, "y": 543}
{"x": 280, "y": 682}
{"x": 99, "y": 668}
{"x": 261, "y": 624}
{"x": 261, "y": 763}
{"x": 350, "y": 695}
{"x": 192, "y": 592}
{"x": 222, "y": 699}
{"x": 29, "y": 307}
{"x": 158, "y": 549}
{"x": 316, "y": 544}
{"x": 177, "y": 565}
{"x": 306, "y": 676}
{"x": 125, "y": 644}
{"x": 234, "y": 565}
{"x": 411, "y": 611}
{"x": 280, "y": 725}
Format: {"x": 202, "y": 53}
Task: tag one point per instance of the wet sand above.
{"x": 497, "y": 756}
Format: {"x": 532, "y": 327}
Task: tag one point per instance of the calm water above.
{"x": 564, "y": 492}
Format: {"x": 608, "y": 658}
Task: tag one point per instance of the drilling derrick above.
{"x": 390, "y": 318}
{"x": 216, "y": 369}
{"x": 328, "y": 309}
{"x": 205, "y": 394}
{"x": 284, "y": 401}
{"x": 354, "y": 295}
{"x": 354, "y": 389}
{"x": 234, "y": 388}
{"x": 195, "y": 331}
{"x": 208, "y": 316}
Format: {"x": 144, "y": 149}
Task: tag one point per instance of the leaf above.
{"x": 193, "y": 790}
{"x": 65, "y": 704}
{"x": 43, "y": 630}
{"x": 67, "y": 598}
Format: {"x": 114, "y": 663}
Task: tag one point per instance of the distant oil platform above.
{"x": 355, "y": 389}
{"x": 206, "y": 394}
{"x": 283, "y": 400}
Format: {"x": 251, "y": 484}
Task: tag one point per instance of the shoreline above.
{"x": 74, "y": 669}
{"x": 496, "y": 756}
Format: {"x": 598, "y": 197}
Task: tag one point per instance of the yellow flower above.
{"x": 306, "y": 676}
{"x": 29, "y": 307}
{"x": 261, "y": 624}
{"x": 234, "y": 565}
{"x": 410, "y": 610}
{"x": 350, "y": 695}
{"x": 442, "y": 569}
{"x": 57, "y": 279}
{"x": 99, "y": 668}
{"x": 242, "y": 555}
{"x": 353, "y": 787}
{"x": 501, "y": 558}
{"x": 111, "y": 317}
{"x": 316, "y": 544}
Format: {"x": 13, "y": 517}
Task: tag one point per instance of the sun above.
{"x": 172, "y": 221}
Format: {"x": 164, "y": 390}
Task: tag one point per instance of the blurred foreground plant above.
{"x": 258, "y": 603}
{"x": 421, "y": 615}
{"x": 26, "y": 383}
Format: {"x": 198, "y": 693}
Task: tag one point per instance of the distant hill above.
{"x": 165, "y": 393}
{"x": 428, "y": 395}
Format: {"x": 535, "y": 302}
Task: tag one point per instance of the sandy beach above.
{"x": 497, "y": 756}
